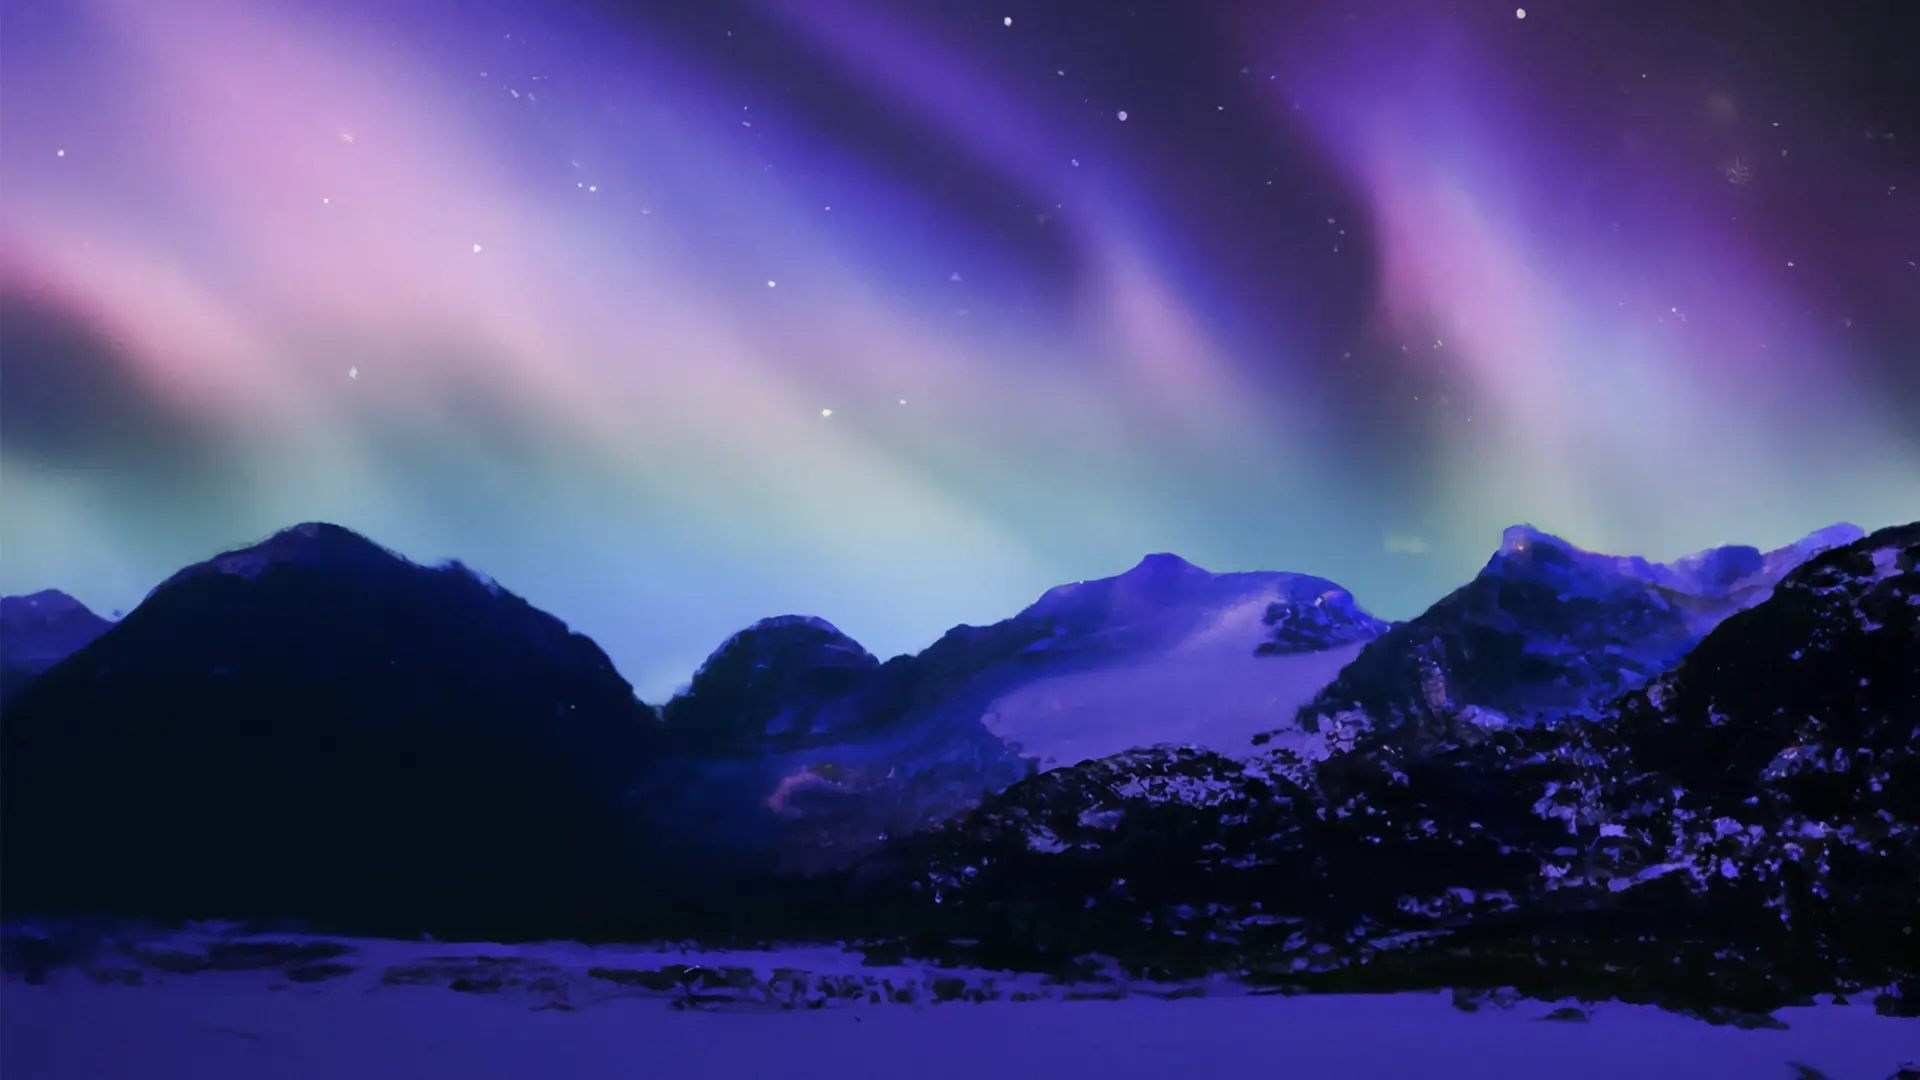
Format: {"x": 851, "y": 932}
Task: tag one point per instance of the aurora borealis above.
{"x": 673, "y": 316}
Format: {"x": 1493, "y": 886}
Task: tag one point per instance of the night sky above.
{"x": 674, "y": 315}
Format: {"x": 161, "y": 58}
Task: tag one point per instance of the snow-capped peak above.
{"x": 1833, "y": 536}
{"x": 1164, "y": 590}
{"x": 1713, "y": 572}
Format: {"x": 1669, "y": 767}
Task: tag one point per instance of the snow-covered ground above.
{"x": 396, "y": 1013}
{"x": 1206, "y": 688}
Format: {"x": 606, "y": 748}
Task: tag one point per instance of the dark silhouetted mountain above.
{"x": 39, "y": 631}
{"x": 317, "y": 727}
{"x": 771, "y": 687}
{"x": 1739, "y": 834}
{"x": 795, "y": 749}
{"x": 1548, "y": 630}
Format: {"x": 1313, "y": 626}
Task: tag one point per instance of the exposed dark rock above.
{"x": 660, "y": 980}
{"x": 1735, "y": 837}
{"x": 1324, "y": 620}
{"x": 238, "y": 956}
{"x": 313, "y": 973}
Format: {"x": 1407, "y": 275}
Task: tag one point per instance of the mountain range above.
{"x": 1571, "y": 756}
{"x": 1547, "y": 630}
{"x": 1739, "y": 833}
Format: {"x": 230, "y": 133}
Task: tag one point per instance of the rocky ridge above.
{"x": 1739, "y": 833}
{"x": 1547, "y": 630}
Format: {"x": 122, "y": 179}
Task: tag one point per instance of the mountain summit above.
{"x": 770, "y": 686}
{"x": 1166, "y": 598}
{"x": 1548, "y": 629}
{"x": 313, "y": 545}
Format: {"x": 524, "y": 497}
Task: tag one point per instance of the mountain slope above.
{"x": 314, "y": 726}
{"x": 1548, "y": 630}
{"x": 1166, "y": 652}
{"x": 40, "y": 630}
{"x": 1779, "y": 765}
{"x": 807, "y": 751}
{"x": 1742, "y": 833}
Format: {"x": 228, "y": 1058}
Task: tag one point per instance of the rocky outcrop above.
{"x": 1739, "y": 834}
